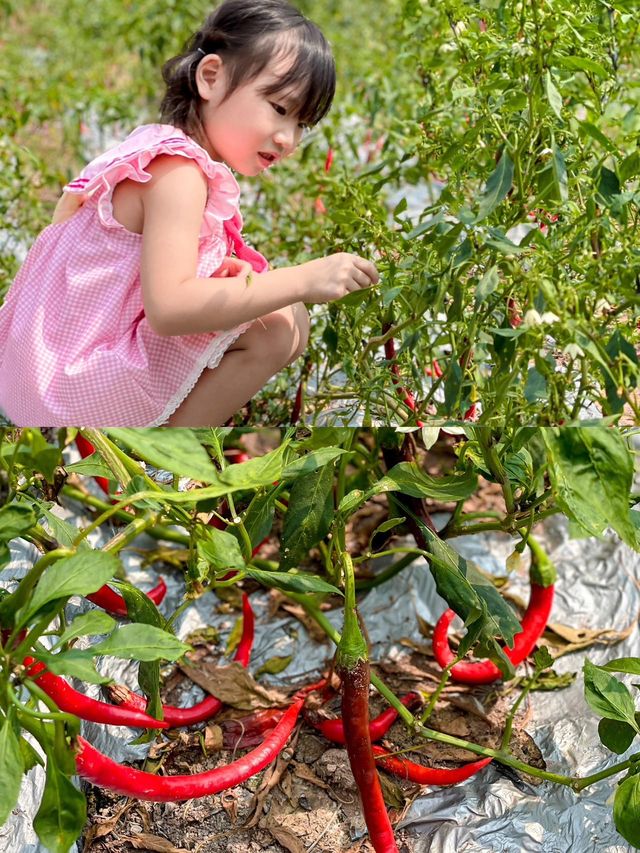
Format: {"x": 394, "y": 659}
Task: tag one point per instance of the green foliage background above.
{"x": 454, "y": 122}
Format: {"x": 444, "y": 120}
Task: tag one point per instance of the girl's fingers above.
{"x": 367, "y": 268}
{"x": 232, "y": 267}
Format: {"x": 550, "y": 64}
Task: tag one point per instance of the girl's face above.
{"x": 249, "y": 130}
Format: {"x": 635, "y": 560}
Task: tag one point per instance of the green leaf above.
{"x": 595, "y": 133}
{"x": 91, "y": 623}
{"x": 553, "y": 95}
{"x": 309, "y": 516}
{"x": 91, "y": 466}
{"x": 63, "y": 532}
{"x": 62, "y": 813}
{"x": 626, "y": 810}
{"x": 535, "y": 388}
{"x": 466, "y": 589}
{"x": 273, "y": 666}
{"x": 15, "y": 519}
{"x": 258, "y": 519}
{"x": 175, "y": 450}
{"x": 11, "y": 769}
{"x": 220, "y": 550}
{"x": 580, "y": 63}
{"x": 501, "y": 243}
{"x": 487, "y": 284}
{"x": 629, "y": 167}
{"x": 352, "y": 501}
{"x": 591, "y": 472}
{"x": 559, "y": 171}
{"x": 311, "y": 462}
{"x": 78, "y": 663}
{"x": 292, "y": 581}
{"x": 498, "y": 185}
{"x": 141, "y": 642}
{"x": 615, "y": 735}
{"x": 608, "y": 185}
{"x": 607, "y": 696}
{"x": 261, "y": 471}
{"x": 409, "y": 478}
{"x": 142, "y": 610}
{"x": 78, "y": 575}
{"x": 631, "y": 666}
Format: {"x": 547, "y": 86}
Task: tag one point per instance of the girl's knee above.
{"x": 280, "y": 337}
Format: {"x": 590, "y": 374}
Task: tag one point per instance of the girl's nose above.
{"x": 287, "y": 137}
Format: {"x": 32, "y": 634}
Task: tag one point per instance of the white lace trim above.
{"x": 211, "y": 358}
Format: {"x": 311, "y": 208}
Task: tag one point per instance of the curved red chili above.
{"x": 103, "y": 771}
{"x": 112, "y": 601}
{"x": 208, "y": 707}
{"x": 74, "y": 702}
{"x": 400, "y": 766}
{"x": 378, "y": 727}
{"x": 533, "y": 624}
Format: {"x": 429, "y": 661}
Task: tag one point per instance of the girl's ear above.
{"x": 209, "y": 76}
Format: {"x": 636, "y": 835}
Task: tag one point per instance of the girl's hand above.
{"x": 333, "y": 277}
{"x": 232, "y": 267}
{"x": 67, "y": 205}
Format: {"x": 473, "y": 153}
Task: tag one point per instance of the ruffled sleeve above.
{"x": 129, "y": 160}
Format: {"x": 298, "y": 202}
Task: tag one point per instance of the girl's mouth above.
{"x": 267, "y": 158}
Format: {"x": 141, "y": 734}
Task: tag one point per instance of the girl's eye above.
{"x": 279, "y": 109}
{"x": 304, "y": 127}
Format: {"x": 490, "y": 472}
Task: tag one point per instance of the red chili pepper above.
{"x": 471, "y": 413}
{"x": 296, "y": 410}
{"x": 74, "y": 702}
{"x": 534, "y": 621}
{"x": 208, "y": 707}
{"x": 328, "y": 163}
{"x": 352, "y": 665}
{"x": 86, "y": 449}
{"x": 378, "y": 727}
{"x": 246, "y": 732}
{"x": 112, "y": 601}
{"x": 434, "y": 370}
{"x": 406, "y": 769}
{"x": 103, "y": 771}
{"x": 390, "y": 354}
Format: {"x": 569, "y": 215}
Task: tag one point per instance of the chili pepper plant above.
{"x": 303, "y": 495}
{"x": 483, "y": 153}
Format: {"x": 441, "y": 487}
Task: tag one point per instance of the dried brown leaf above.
{"x": 564, "y": 639}
{"x": 155, "y": 843}
{"x": 285, "y": 837}
{"x": 234, "y": 686}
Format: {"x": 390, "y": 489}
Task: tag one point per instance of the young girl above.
{"x": 141, "y": 304}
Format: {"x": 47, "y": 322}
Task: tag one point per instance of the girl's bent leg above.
{"x": 266, "y": 347}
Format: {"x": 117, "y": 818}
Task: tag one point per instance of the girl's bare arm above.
{"x": 177, "y": 302}
{"x": 67, "y": 205}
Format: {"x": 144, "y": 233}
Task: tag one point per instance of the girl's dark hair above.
{"x": 248, "y": 34}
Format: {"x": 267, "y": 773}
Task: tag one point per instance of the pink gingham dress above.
{"x": 75, "y": 344}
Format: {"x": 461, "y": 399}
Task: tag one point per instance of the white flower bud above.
{"x": 532, "y": 318}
